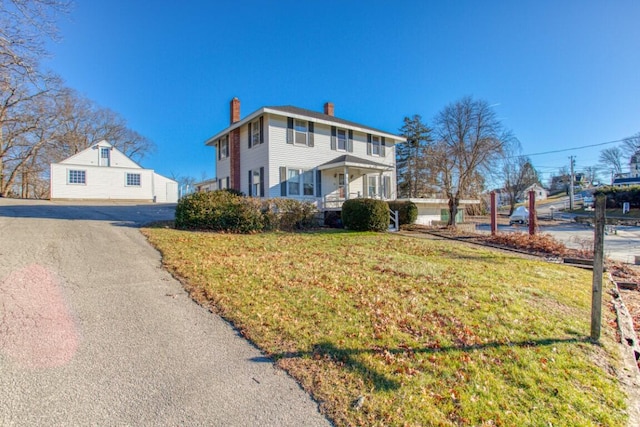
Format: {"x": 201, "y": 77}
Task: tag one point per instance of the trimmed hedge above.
{"x": 231, "y": 212}
{"x": 616, "y": 196}
{"x": 365, "y": 215}
{"x": 407, "y": 211}
{"x": 219, "y": 211}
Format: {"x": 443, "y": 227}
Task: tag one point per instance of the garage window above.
{"x": 133, "y": 180}
{"x": 77, "y": 177}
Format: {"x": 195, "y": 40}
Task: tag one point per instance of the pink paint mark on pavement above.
{"x": 37, "y": 329}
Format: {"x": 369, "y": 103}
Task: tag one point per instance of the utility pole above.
{"x": 572, "y": 159}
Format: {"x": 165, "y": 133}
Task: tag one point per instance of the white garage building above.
{"x": 102, "y": 172}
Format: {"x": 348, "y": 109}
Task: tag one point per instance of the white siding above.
{"x": 165, "y": 189}
{"x": 91, "y": 156}
{"x": 102, "y": 183}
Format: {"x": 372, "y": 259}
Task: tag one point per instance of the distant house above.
{"x": 206, "y": 185}
{"x": 102, "y": 172}
{"x": 540, "y": 192}
{"x": 561, "y": 183}
{"x": 632, "y": 177}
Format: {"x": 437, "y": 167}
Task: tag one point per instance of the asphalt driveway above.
{"x": 94, "y": 332}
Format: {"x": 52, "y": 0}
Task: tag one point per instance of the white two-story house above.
{"x": 306, "y": 155}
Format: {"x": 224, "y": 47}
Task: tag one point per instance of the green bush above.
{"x": 365, "y": 215}
{"x": 288, "y": 214}
{"x": 219, "y": 211}
{"x": 230, "y": 212}
{"x": 407, "y": 211}
{"x": 616, "y": 196}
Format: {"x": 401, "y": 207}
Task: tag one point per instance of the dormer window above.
{"x": 105, "y": 156}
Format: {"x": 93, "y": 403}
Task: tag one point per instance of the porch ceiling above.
{"x": 355, "y": 162}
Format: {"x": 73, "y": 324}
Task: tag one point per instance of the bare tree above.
{"x": 591, "y": 174}
{"x": 413, "y": 159}
{"x": 611, "y": 158}
{"x": 25, "y": 25}
{"x": 632, "y": 144}
{"x": 470, "y": 139}
{"x": 519, "y": 174}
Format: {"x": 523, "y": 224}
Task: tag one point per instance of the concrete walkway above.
{"x": 94, "y": 332}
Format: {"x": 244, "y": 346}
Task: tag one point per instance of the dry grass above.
{"x": 388, "y": 330}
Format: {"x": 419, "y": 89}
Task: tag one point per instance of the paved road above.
{"x": 622, "y": 246}
{"x": 94, "y": 332}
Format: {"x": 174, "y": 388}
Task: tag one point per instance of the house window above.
{"x": 223, "y": 147}
{"x": 77, "y": 176}
{"x": 375, "y": 145}
{"x": 300, "y": 131}
{"x": 341, "y": 136}
{"x": 223, "y": 183}
{"x": 256, "y": 182}
{"x": 373, "y": 186}
{"x": 133, "y": 180}
{"x": 300, "y": 182}
{"x": 255, "y": 133}
{"x": 293, "y": 182}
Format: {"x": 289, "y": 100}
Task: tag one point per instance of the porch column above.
{"x": 381, "y": 186}
{"x": 346, "y": 182}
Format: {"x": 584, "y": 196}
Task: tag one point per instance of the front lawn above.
{"x": 385, "y": 330}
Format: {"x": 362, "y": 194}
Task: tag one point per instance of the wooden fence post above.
{"x": 494, "y": 214}
{"x": 532, "y": 212}
{"x": 598, "y": 267}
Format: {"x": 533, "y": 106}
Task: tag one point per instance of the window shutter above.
{"x": 218, "y": 150}
{"x": 365, "y": 186}
{"x": 262, "y": 180}
{"x": 219, "y": 184}
{"x": 250, "y": 183}
{"x": 289, "y": 130}
{"x": 318, "y": 183}
{"x": 311, "y": 134}
{"x": 249, "y": 135}
{"x": 334, "y": 133}
{"x": 382, "y": 148}
{"x": 228, "y": 181}
{"x": 350, "y": 142}
{"x": 369, "y": 144}
{"x": 387, "y": 187}
{"x": 283, "y": 181}
{"x": 261, "y": 130}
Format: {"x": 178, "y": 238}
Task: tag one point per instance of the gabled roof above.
{"x": 353, "y": 161}
{"x": 301, "y": 113}
{"x": 635, "y": 180}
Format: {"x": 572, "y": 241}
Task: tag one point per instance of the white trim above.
{"x": 211, "y": 141}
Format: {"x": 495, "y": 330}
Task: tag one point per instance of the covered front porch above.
{"x": 348, "y": 177}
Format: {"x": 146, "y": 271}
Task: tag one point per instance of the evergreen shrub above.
{"x": 365, "y": 215}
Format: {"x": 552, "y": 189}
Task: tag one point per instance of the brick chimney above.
{"x": 234, "y": 146}
{"x": 328, "y": 108}
{"x": 235, "y": 110}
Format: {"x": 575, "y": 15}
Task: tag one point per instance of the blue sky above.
{"x": 561, "y": 74}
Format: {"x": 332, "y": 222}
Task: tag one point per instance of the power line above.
{"x": 574, "y": 148}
